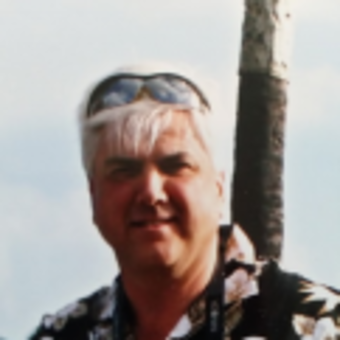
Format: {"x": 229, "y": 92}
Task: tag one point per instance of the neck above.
{"x": 160, "y": 295}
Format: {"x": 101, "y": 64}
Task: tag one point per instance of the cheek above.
{"x": 196, "y": 200}
{"x": 109, "y": 205}
{"x": 109, "y": 214}
{"x": 206, "y": 202}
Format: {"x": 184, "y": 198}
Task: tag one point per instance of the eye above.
{"x": 176, "y": 166}
{"x": 121, "y": 172}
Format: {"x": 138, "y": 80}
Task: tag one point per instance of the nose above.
{"x": 151, "y": 190}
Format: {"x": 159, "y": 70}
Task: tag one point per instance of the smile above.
{"x": 152, "y": 223}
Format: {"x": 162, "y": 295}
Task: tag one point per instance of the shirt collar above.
{"x": 240, "y": 283}
{"x": 241, "y": 270}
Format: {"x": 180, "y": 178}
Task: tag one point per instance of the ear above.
{"x": 220, "y": 186}
{"x": 220, "y": 181}
{"x": 92, "y": 193}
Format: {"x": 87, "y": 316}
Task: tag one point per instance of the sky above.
{"x": 52, "y": 51}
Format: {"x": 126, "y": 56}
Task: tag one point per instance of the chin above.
{"x": 158, "y": 257}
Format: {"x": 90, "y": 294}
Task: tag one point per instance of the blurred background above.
{"x": 51, "y": 51}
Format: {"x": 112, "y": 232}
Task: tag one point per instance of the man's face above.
{"x": 157, "y": 209}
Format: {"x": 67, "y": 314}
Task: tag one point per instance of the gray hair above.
{"x": 143, "y": 120}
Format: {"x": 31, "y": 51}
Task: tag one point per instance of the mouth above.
{"x": 152, "y": 223}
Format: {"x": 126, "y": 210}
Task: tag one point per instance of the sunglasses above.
{"x": 124, "y": 89}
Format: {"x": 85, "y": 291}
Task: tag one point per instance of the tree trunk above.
{"x": 257, "y": 198}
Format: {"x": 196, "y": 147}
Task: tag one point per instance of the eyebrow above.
{"x": 174, "y": 157}
{"x": 119, "y": 160}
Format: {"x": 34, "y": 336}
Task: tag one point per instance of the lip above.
{"x": 152, "y": 223}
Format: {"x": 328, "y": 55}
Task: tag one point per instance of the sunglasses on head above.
{"x": 165, "y": 88}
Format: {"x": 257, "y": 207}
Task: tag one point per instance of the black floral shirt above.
{"x": 261, "y": 302}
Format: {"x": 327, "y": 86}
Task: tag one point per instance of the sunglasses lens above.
{"x": 122, "y": 91}
{"x": 115, "y": 93}
{"x": 172, "y": 90}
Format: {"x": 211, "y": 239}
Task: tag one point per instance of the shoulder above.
{"x": 78, "y": 319}
{"x": 311, "y": 308}
{"x": 283, "y": 304}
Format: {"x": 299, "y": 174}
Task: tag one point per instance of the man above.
{"x": 157, "y": 200}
